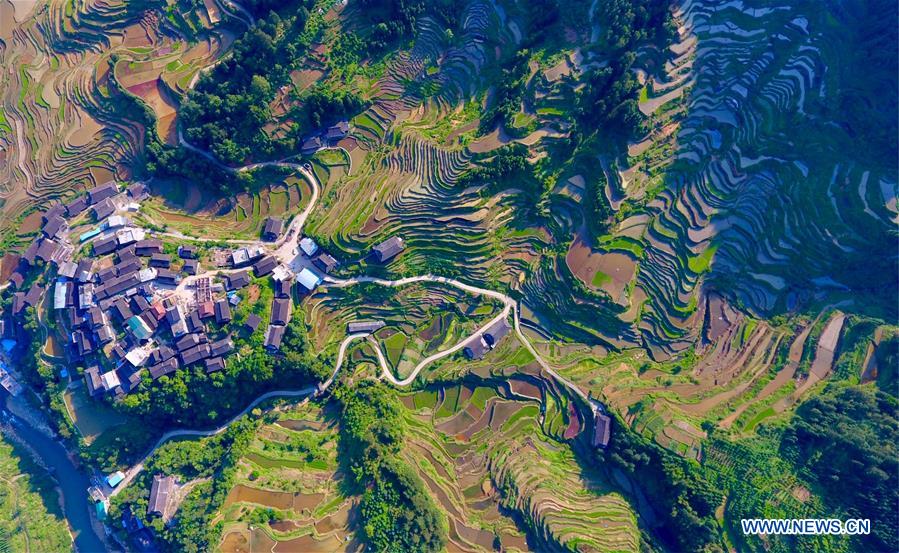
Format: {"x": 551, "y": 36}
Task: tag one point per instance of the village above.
{"x": 134, "y": 307}
{"x": 135, "y": 303}
{"x": 127, "y": 305}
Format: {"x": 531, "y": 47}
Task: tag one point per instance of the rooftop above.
{"x": 308, "y": 279}
{"x": 388, "y": 249}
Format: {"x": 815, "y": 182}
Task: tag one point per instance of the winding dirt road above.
{"x": 284, "y": 252}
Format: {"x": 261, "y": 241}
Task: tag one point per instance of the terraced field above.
{"x": 241, "y": 217}
{"x": 498, "y": 477}
{"x": 287, "y": 495}
{"x": 487, "y": 455}
{"x": 718, "y": 236}
{"x": 695, "y": 220}
{"x": 420, "y": 320}
{"x": 73, "y": 71}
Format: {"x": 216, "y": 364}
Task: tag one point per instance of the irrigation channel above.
{"x": 74, "y": 482}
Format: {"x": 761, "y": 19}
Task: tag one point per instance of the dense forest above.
{"x": 397, "y": 512}
{"x": 845, "y": 442}
{"x": 685, "y": 498}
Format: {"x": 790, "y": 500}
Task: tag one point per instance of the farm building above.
{"x": 308, "y": 246}
{"x": 103, "y": 210}
{"x": 161, "y": 492}
{"x": 167, "y": 276}
{"x": 137, "y": 357}
{"x": 357, "y": 327}
{"x": 280, "y": 311}
{"x": 221, "y": 347}
{"x": 273, "y": 337}
{"x": 308, "y": 279}
{"x": 160, "y": 260}
{"x": 214, "y": 364}
{"x": 84, "y": 270}
{"x": 54, "y": 226}
{"x": 110, "y": 381}
{"x": 56, "y": 210}
{"x": 176, "y": 321}
{"x": 121, "y": 309}
{"x": 85, "y": 236}
{"x": 325, "y": 262}
{"x": 105, "y": 245}
{"x": 388, "y": 249}
{"x": 311, "y": 145}
{"x": 252, "y": 322}
{"x": 67, "y": 269}
{"x": 222, "y": 311}
{"x": 194, "y": 324}
{"x": 47, "y": 250}
{"x": 115, "y": 221}
{"x": 246, "y": 255}
{"x": 194, "y": 354}
{"x": 16, "y": 280}
{"x": 99, "y": 193}
{"x": 281, "y": 273}
{"x": 206, "y": 310}
{"x": 282, "y": 288}
{"x": 602, "y": 428}
{"x": 265, "y": 266}
{"x": 131, "y": 236}
{"x": 238, "y": 280}
{"x": 137, "y": 191}
{"x": 496, "y": 331}
{"x": 272, "y": 229}
{"x": 188, "y": 341}
{"x": 147, "y": 248}
{"x": 59, "y": 294}
{"x": 476, "y": 347}
{"x": 338, "y": 131}
{"x": 76, "y": 206}
{"x": 92, "y": 381}
{"x": 104, "y": 335}
{"x": 164, "y": 367}
{"x": 140, "y": 303}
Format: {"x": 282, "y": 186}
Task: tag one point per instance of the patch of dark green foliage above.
{"x": 396, "y": 511}
{"x": 845, "y": 442}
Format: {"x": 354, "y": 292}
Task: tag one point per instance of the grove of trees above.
{"x": 397, "y": 513}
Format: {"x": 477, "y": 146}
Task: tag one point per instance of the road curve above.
{"x": 132, "y": 472}
{"x": 509, "y": 302}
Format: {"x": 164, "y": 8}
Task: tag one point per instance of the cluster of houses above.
{"x": 306, "y": 279}
{"x": 114, "y": 291}
{"x": 51, "y": 246}
{"x": 115, "y": 298}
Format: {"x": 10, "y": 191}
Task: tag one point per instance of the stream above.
{"x": 71, "y": 480}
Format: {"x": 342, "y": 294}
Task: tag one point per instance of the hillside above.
{"x": 680, "y": 215}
